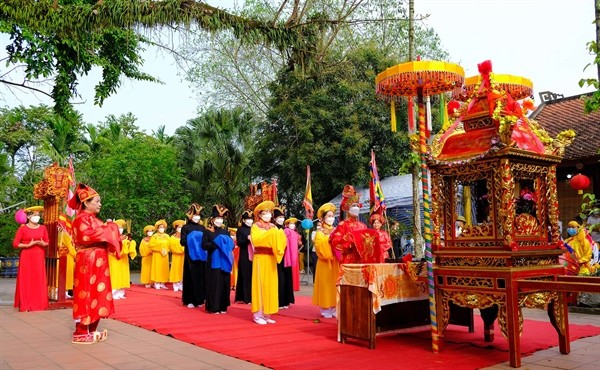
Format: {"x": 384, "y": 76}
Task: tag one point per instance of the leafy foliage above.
{"x": 330, "y": 121}
{"x": 592, "y": 102}
{"x": 139, "y": 180}
{"x": 216, "y": 151}
{"x": 51, "y": 50}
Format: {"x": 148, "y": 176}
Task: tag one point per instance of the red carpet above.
{"x": 300, "y": 340}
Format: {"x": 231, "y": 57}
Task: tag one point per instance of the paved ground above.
{"x": 36, "y": 340}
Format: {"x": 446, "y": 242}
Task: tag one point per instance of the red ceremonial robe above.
{"x": 92, "y": 292}
{"x": 342, "y": 242}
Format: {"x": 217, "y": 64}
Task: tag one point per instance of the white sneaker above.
{"x": 156, "y": 286}
{"x": 190, "y": 305}
{"x": 269, "y": 320}
{"x": 148, "y": 285}
{"x": 260, "y": 321}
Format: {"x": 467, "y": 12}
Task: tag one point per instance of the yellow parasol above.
{"x": 518, "y": 87}
{"x": 420, "y": 79}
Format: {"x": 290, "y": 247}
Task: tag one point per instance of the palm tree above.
{"x": 63, "y": 138}
{"x": 161, "y": 136}
{"x": 216, "y": 151}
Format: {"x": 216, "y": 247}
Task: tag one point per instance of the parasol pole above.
{"x": 435, "y": 338}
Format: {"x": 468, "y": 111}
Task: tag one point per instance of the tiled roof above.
{"x": 567, "y": 113}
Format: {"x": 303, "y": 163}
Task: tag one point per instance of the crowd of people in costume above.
{"x": 199, "y": 258}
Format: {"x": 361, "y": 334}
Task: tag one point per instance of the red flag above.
{"x": 411, "y": 117}
{"x": 307, "y": 202}
{"x": 375, "y": 190}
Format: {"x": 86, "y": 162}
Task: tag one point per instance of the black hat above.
{"x": 247, "y": 215}
{"x": 278, "y": 211}
{"x": 219, "y": 211}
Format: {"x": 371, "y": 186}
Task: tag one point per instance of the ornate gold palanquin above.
{"x": 497, "y": 169}
{"x": 53, "y": 190}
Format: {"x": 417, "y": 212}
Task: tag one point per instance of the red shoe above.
{"x": 84, "y": 338}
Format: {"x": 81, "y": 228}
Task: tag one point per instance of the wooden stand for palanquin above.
{"x": 494, "y": 169}
{"x": 386, "y": 298}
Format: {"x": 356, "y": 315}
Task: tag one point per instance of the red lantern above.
{"x": 580, "y": 182}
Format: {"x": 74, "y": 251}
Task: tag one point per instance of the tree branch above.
{"x": 22, "y": 85}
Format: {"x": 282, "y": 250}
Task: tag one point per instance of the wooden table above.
{"x": 386, "y": 298}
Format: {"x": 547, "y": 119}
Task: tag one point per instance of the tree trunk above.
{"x": 416, "y": 170}
{"x": 597, "y": 34}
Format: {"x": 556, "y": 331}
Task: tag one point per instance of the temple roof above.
{"x": 567, "y": 113}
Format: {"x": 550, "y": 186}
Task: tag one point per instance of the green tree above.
{"x": 228, "y": 72}
{"x": 592, "y": 102}
{"x": 161, "y": 136}
{"x": 139, "y": 179}
{"x": 331, "y": 122}
{"x": 217, "y": 152}
{"x": 63, "y": 39}
{"x": 63, "y": 58}
{"x": 21, "y": 131}
{"x": 63, "y": 137}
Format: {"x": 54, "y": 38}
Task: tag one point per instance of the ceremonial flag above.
{"x": 375, "y": 191}
{"x": 274, "y": 191}
{"x": 66, "y": 217}
{"x": 307, "y": 202}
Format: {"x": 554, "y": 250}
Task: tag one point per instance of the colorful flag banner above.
{"x": 66, "y": 217}
{"x": 274, "y": 191}
{"x": 375, "y": 190}
{"x": 307, "y": 202}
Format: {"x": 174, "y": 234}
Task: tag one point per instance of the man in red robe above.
{"x": 342, "y": 240}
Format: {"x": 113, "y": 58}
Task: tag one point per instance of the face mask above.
{"x": 178, "y": 229}
{"x": 329, "y": 221}
{"x": 266, "y": 217}
{"x": 161, "y": 230}
{"x": 35, "y": 219}
{"x": 292, "y": 226}
{"x": 218, "y": 222}
{"x": 248, "y": 222}
{"x": 354, "y": 210}
{"x": 280, "y": 220}
{"x": 196, "y": 218}
{"x": 572, "y": 231}
{"x": 149, "y": 233}
{"x": 120, "y": 230}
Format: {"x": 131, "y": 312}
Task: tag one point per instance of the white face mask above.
{"x": 329, "y": 220}
{"x": 120, "y": 230}
{"x": 354, "y": 210}
{"x": 35, "y": 219}
{"x": 280, "y": 220}
{"x": 161, "y": 230}
{"x": 196, "y": 218}
{"x": 178, "y": 229}
{"x": 150, "y": 233}
{"x": 292, "y": 226}
{"x": 248, "y": 222}
{"x": 266, "y": 217}
{"x": 218, "y": 222}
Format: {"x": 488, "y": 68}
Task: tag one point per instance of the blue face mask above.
{"x": 571, "y": 231}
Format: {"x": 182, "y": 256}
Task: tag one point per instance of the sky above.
{"x": 543, "y": 40}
